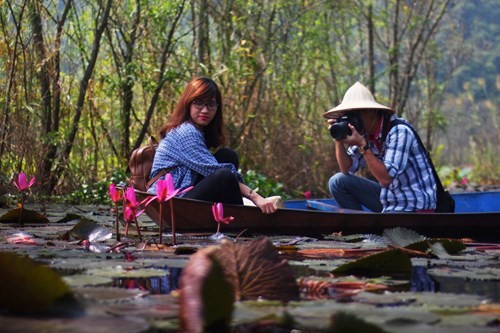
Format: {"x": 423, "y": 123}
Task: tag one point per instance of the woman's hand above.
{"x": 267, "y": 206}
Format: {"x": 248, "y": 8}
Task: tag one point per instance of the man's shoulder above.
{"x": 400, "y": 124}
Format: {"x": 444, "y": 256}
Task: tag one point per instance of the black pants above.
{"x": 221, "y": 186}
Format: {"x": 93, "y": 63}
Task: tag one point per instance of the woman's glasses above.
{"x": 211, "y": 106}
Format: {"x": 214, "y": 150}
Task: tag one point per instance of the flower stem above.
{"x": 172, "y": 219}
{"x": 117, "y": 223}
{"x": 218, "y": 227}
{"x": 138, "y": 230}
{"x": 161, "y": 220}
{"x": 23, "y": 198}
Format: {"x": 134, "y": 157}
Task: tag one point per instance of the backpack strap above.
{"x": 160, "y": 174}
{"x": 415, "y": 134}
{"x": 439, "y": 186}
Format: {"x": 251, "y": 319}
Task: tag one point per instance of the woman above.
{"x": 195, "y": 127}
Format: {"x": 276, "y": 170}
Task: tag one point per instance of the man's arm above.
{"x": 343, "y": 159}
{"x": 376, "y": 167}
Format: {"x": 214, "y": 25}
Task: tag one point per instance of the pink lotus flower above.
{"x": 115, "y": 197}
{"x": 218, "y": 212}
{"x": 20, "y": 182}
{"x": 165, "y": 190}
{"x": 131, "y": 210}
{"x": 114, "y": 194}
{"x": 22, "y": 185}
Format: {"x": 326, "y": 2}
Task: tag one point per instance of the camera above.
{"x": 340, "y": 129}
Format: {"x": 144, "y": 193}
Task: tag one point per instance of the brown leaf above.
{"x": 255, "y": 270}
{"x": 206, "y": 299}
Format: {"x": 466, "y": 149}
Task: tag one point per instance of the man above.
{"x": 388, "y": 147}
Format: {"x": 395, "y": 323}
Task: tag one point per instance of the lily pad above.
{"x": 206, "y": 300}
{"x": 28, "y": 216}
{"x": 26, "y": 286}
{"x": 256, "y": 270}
{"x": 402, "y": 236}
{"x": 450, "y": 245}
{"x": 88, "y": 230}
{"x": 390, "y": 262}
{"x": 120, "y": 272}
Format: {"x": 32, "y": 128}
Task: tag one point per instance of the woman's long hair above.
{"x": 201, "y": 88}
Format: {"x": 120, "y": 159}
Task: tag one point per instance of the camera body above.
{"x": 340, "y": 129}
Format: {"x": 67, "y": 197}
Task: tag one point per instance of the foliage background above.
{"x": 85, "y": 82}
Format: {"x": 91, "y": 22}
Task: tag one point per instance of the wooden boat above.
{"x": 195, "y": 216}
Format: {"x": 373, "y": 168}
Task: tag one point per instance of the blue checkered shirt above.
{"x": 184, "y": 152}
{"x": 413, "y": 186}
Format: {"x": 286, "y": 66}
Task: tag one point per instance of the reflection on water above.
{"x": 420, "y": 280}
{"x": 155, "y": 285}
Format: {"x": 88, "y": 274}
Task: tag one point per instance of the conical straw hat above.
{"x": 356, "y": 97}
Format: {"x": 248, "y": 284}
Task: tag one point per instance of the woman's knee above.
{"x": 227, "y": 155}
{"x": 224, "y": 176}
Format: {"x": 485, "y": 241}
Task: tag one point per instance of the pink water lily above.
{"x": 165, "y": 190}
{"x": 21, "y": 183}
{"x": 115, "y": 196}
{"x": 218, "y": 212}
{"x": 131, "y": 209}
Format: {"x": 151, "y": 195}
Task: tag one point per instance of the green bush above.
{"x": 265, "y": 186}
{"x": 95, "y": 193}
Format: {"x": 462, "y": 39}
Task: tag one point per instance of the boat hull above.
{"x": 195, "y": 216}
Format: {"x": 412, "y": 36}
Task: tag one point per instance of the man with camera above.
{"x": 369, "y": 134}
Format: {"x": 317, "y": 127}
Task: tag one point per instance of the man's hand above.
{"x": 355, "y": 139}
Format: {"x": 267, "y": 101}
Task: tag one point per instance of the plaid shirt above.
{"x": 413, "y": 186}
{"x": 184, "y": 152}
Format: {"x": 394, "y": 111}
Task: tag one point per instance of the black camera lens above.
{"x": 340, "y": 130}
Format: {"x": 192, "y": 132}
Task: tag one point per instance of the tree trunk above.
{"x": 56, "y": 175}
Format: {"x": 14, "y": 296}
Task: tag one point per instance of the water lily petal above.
{"x": 130, "y": 198}
{"x": 161, "y": 190}
{"x": 227, "y": 219}
{"x": 31, "y": 182}
{"x": 114, "y": 193}
{"x": 20, "y": 181}
{"x": 170, "y": 183}
{"x": 220, "y": 210}
{"x": 214, "y": 212}
{"x": 129, "y": 214}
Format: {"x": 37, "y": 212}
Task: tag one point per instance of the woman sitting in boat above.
{"x": 369, "y": 133}
{"x": 195, "y": 127}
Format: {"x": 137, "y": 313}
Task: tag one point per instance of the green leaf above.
{"x": 88, "y": 230}
{"x": 391, "y": 262}
{"x": 450, "y": 245}
{"x": 402, "y": 237}
{"x": 342, "y": 322}
{"x": 27, "y": 287}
